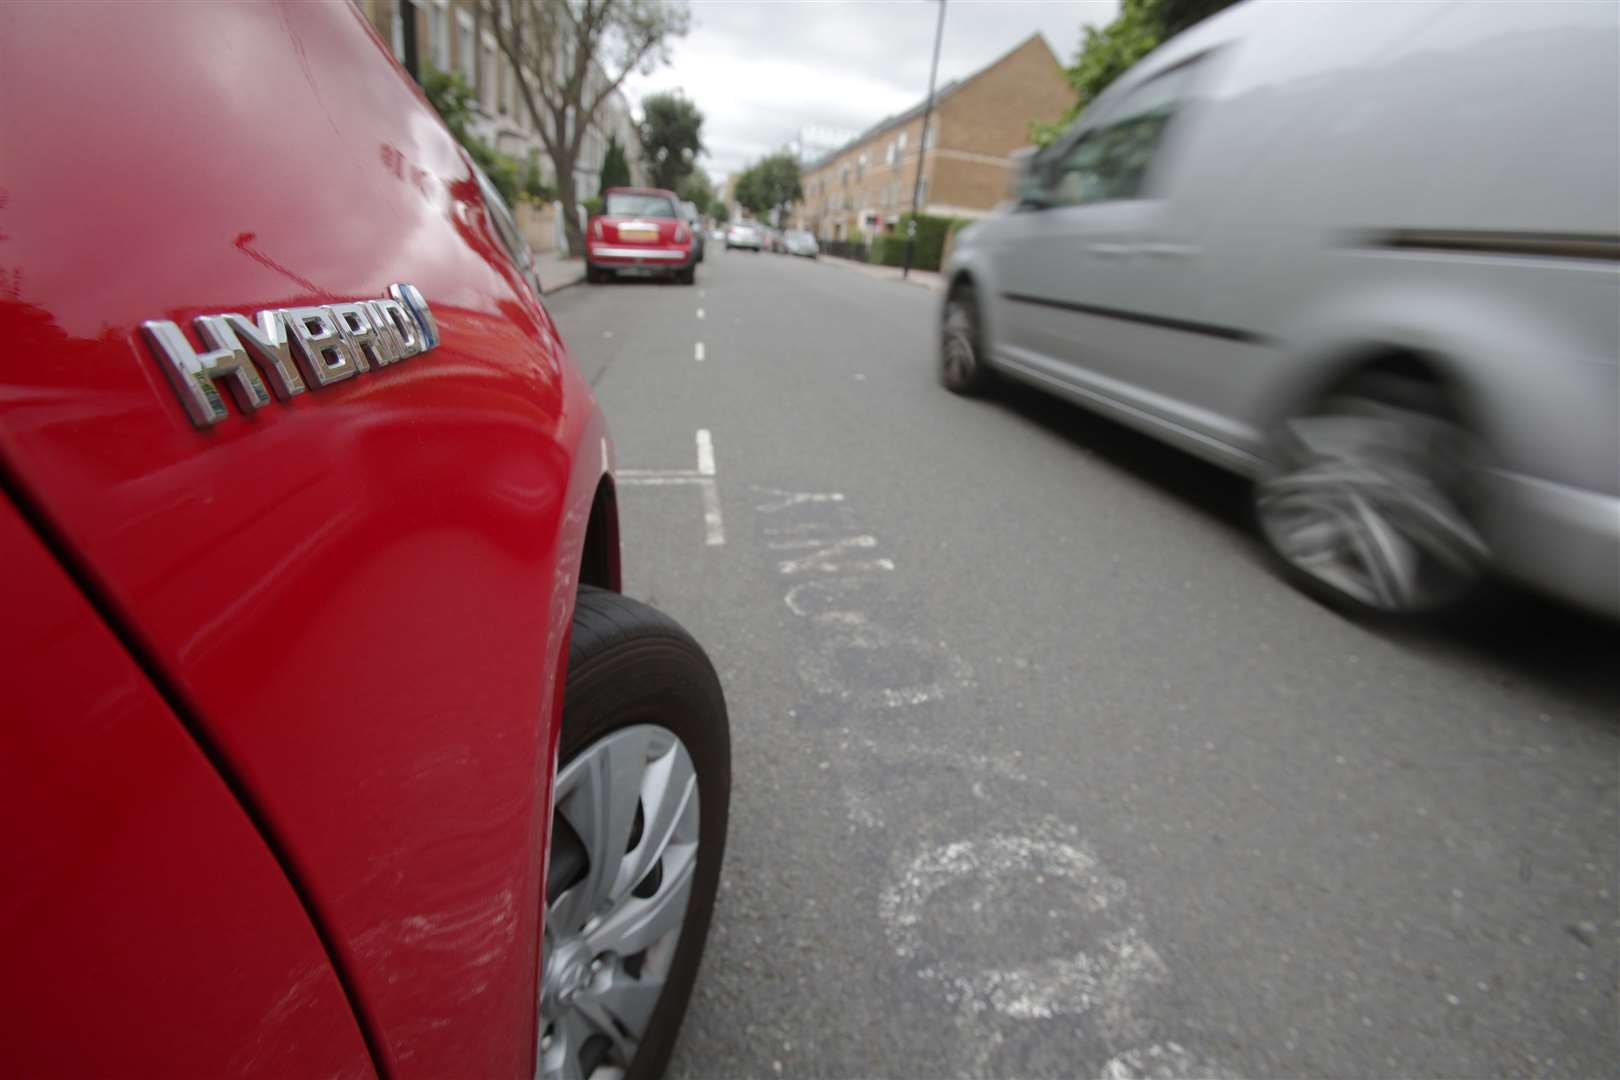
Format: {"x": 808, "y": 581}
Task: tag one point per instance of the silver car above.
{"x": 799, "y": 242}
{"x": 1366, "y": 254}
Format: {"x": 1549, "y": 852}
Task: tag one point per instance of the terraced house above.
{"x": 977, "y": 124}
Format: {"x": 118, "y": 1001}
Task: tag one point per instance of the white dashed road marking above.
{"x": 697, "y": 353}
{"x": 700, "y": 313}
{"x": 703, "y": 477}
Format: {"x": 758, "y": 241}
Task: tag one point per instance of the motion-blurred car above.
{"x": 1369, "y": 256}
{"x": 694, "y": 221}
{"x": 744, "y": 236}
{"x": 641, "y": 232}
{"x": 329, "y": 747}
{"x": 799, "y": 242}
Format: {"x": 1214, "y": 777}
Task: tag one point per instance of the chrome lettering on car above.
{"x": 292, "y": 348}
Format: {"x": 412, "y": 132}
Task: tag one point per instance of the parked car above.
{"x": 1270, "y": 243}
{"x": 641, "y": 232}
{"x": 694, "y": 221}
{"x": 799, "y": 242}
{"x": 745, "y": 236}
{"x": 718, "y": 235}
{"x": 329, "y": 746}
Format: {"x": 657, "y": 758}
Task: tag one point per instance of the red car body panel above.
{"x": 357, "y": 601}
{"x": 614, "y": 240}
{"x": 138, "y": 896}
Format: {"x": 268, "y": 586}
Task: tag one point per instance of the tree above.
{"x": 615, "y": 166}
{"x": 671, "y": 132}
{"x": 1108, "y": 53}
{"x": 719, "y": 211}
{"x": 770, "y": 183}
{"x": 568, "y": 57}
{"x": 453, "y": 99}
{"x": 698, "y": 190}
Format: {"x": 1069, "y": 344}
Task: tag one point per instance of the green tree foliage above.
{"x": 567, "y": 58}
{"x": 719, "y": 211}
{"x": 697, "y": 190}
{"x": 453, "y": 99}
{"x": 770, "y": 183}
{"x": 671, "y": 133}
{"x": 615, "y": 166}
{"x": 1108, "y": 53}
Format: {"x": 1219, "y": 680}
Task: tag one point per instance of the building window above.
{"x": 860, "y": 166}
{"x": 930, "y": 137}
{"x": 439, "y": 35}
{"x": 902, "y": 142}
{"x": 466, "y": 55}
{"x": 488, "y": 87}
{"x": 888, "y": 153}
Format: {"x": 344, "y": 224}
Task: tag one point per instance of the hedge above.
{"x": 890, "y": 248}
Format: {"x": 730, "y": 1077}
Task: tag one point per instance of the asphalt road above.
{"x": 1039, "y": 771}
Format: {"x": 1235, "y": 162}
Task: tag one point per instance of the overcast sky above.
{"x": 765, "y": 72}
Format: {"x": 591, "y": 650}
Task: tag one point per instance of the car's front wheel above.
{"x": 639, "y": 830}
{"x": 961, "y": 362}
{"x": 1367, "y": 503}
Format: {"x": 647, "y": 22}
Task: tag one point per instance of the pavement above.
{"x": 558, "y": 272}
{"x": 926, "y": 279}
{"x": 1039, "y": 771}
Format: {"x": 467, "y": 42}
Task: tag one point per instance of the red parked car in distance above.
{"x": 329, "y": 746}
{"x": 640, "y": 232}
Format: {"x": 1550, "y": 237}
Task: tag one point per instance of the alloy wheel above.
{"x": 1366, "y": 502}
{"x": 957, "y": 357}
{"x": 624, "y": 853}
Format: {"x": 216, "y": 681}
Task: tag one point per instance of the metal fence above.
{"x": 843, "y": 249}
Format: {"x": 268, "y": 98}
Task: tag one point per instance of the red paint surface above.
{"x": 146, "y": 929}
{"x": 362, "y": 596}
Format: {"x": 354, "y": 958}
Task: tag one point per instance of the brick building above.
{"x": 978, "y": 122}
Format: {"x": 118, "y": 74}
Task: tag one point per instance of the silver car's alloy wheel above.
{"x": 631, "y": 801}
{"x": 956, "y": 349}
{"x": 1364, "y": 501}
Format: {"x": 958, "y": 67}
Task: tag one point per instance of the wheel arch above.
{"x": 599, "y": 560}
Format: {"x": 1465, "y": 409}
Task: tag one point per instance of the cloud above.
{"x": 768, "y": 73}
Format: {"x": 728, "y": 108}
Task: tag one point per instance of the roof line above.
{"x": 916, "y": 110}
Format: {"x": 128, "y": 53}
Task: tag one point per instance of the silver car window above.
{"x": 1112, "y": 160}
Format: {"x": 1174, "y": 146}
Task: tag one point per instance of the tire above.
{"x": 688, "y": 276}
{"x": 962, "y": 369}
{"x": 639, "y": 690}
{"x": 595, "y": 275}
{"x": 1368, "y": 504}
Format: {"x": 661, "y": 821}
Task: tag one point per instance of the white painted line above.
{"x": 711, "y": 516}
{"x": 700, "y": 313}
{"x": 697, "y": 353}
{"x": 705, "y": 451}
{"x": 703, "y": 477}
{"x": 662, "y": 481}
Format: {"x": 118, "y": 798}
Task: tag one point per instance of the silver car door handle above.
{"x": 1110, "y": 251}
{"x": 1169, "y": 251}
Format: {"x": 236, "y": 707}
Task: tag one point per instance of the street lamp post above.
{"x": 922, "y": 146}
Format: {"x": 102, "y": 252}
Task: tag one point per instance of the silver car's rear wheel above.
{"x": 630, "y": 801}
{"x": 1365, "y": 507}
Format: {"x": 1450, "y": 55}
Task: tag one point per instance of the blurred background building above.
{"x": 977, "y": 124}
{"x": 455, "y": 37}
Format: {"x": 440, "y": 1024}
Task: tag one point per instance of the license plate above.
{"x": 638, "y": 234}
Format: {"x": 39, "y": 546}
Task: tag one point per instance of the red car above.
{"x": 330, "y": 746}
{"x": 640, "y": 232}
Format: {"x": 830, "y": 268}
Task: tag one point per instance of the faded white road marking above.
{"x": 1093, "y": 961}
{"x": 827, "y": 559}
{"x": 785, "y": 499}
{"x": 1161, "y": 1061}
{"x": 697, "y": 353}
{"x": 700, "y": 313}
{"x": 704, "y": 478}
